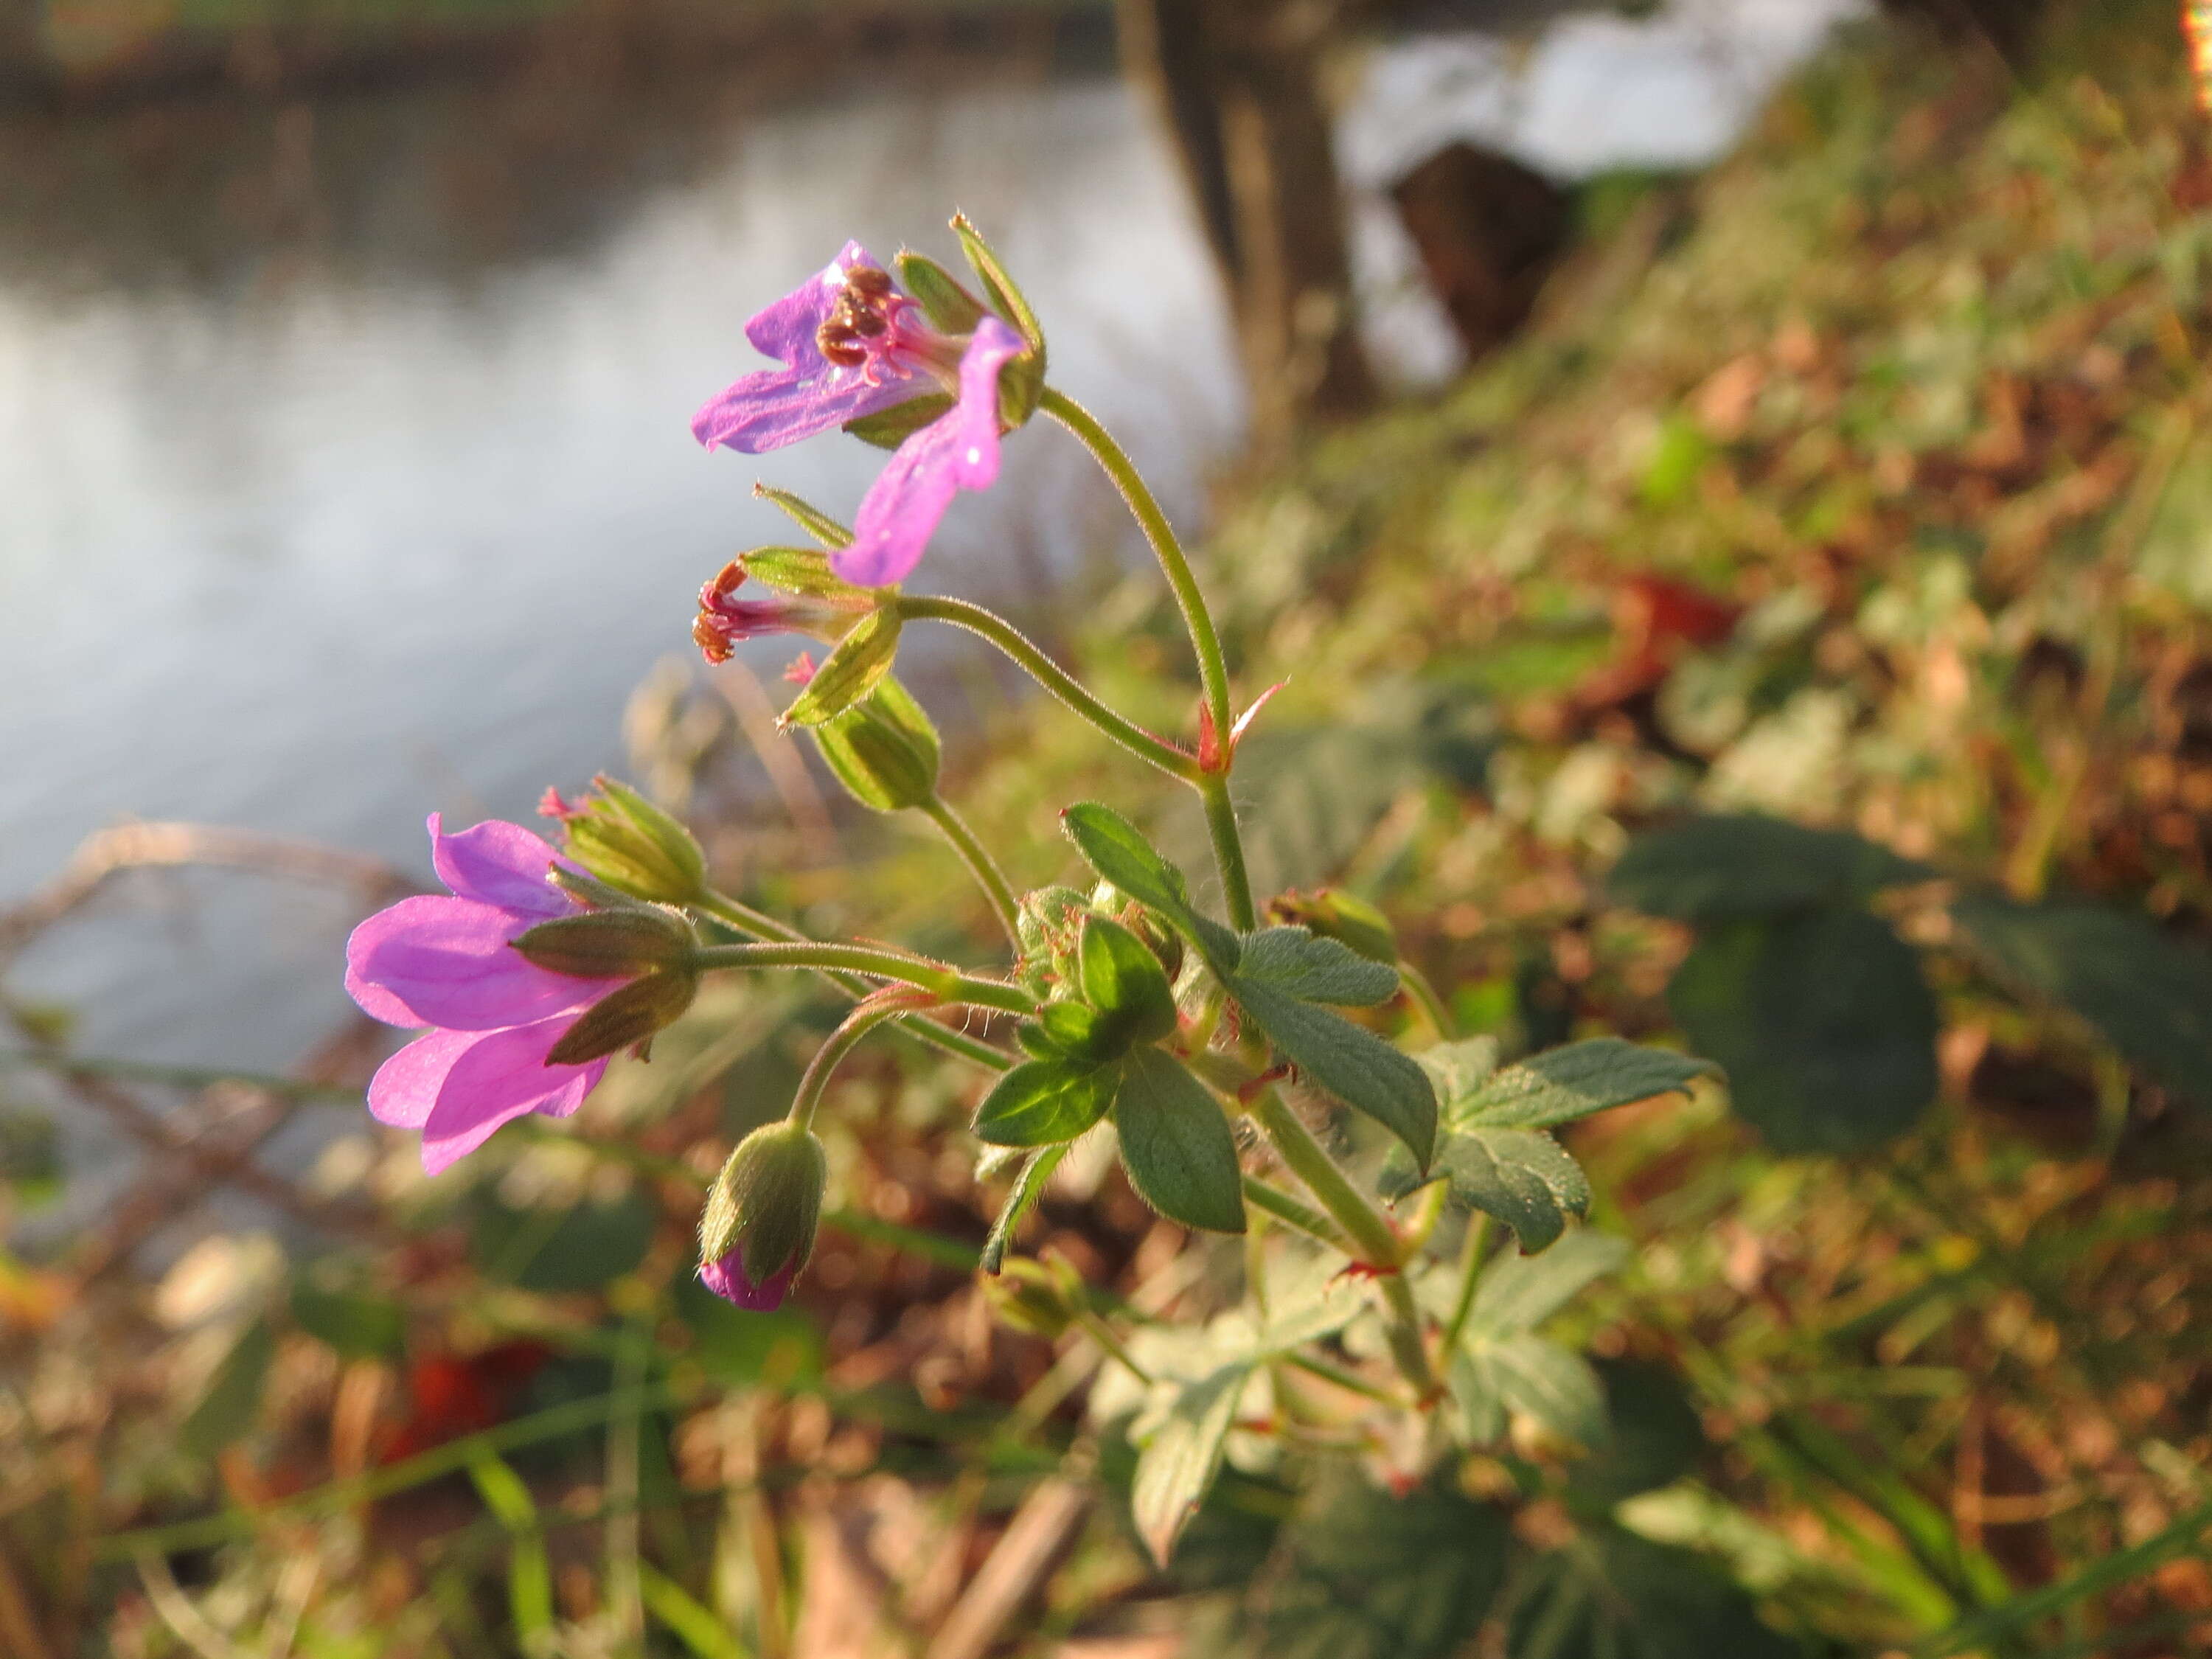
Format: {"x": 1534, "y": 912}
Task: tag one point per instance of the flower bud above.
{"x": 627, "y": 841}
{"x": 610, "y": 943}
{"x": 883, "y": 749}
{"x": 1332, "y": 912}
{"x": 627, "y": 1017}
{"x": 1049, "y": 923}
{"x": 758, "y": 1226}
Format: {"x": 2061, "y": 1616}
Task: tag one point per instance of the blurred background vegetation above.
{"x": 1762, "y": 601}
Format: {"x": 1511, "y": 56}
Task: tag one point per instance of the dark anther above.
{"x": 868, "y": 280}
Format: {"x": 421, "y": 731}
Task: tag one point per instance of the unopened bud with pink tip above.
{"x": 757, "y": 1230}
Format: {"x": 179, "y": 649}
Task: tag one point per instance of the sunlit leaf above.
{"x": 1043, "y": 1102}
{"x": 1564, "y": 1085}
{"x": 1181, "y": 1453}
{"x": 1177, "y": 1145}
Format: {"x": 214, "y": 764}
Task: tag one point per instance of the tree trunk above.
{"x": 1239, "y": 85}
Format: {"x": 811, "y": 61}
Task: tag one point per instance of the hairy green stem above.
{"x": 1470, "y": 1273}
{"x": 945, "y": 982}
{"x": 835, "y": 1046}
{"x": 1031, "y": 659}
{"x": 1370, "y": 1231}
{"x": 746, "y": 920}
{"x": 1292, "y": 1213}
{"x": 1423, "y": 995}
{"x": 1314, "y": 1366}
{"x": 1212, "y": 784}
{"x": 980, "y": 863}
{"x": 1379, "y": 1245}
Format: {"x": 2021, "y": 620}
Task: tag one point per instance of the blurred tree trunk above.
{"x": 1239, "y": 84}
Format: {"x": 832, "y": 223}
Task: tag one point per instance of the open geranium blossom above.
{"x": 849, "y": 342}
{"x": 445, "y": 962}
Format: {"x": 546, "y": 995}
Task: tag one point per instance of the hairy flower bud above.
{"x": 1049, "y": 922}
{"x": 883, "y": 749}
{"x": 1332, "y": 912}
{"x": 758, "y": 1229}
{"x": 627, "y": 841}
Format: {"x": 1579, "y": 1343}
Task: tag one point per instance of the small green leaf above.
{"x": 1823, "y": 1021}
{"x": 1354, "y": 1065}
{"x": 1113, "y": 847}
{"x": 356, "y": 1327}
{"x": 1520, "y": 1293}
{"x": 1028, "y": 1186}
{"x": 1177, "y": 1145}
{"x": 1123, "y": 981}
{"x": 1182, "y": 1453}
{"x": 1043, "y": 1102}
{"x": 1566, "y": 1083}
{"x": 1552, "y": 1384}
{"x": 1522, "y": 1177}
{"x": 1735, "y": 866}
{"x": 2145, "y": 991}
{"x": 1302, "y": 965}
{"x": 233, "y": 1397}
{"x": 1065, "y": 1030}
{"x": 856, "y": 668}
{"x": 945, "y": 299}
{"x": 808, "y": 517}
{"x": 887, "y": 428}
{"x": 802, "y": 570}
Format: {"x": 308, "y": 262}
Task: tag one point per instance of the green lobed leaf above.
{"x": 1823, "y": 1021}
{"x": 1028, "y": 1186}
{"x": 1457, "y": 1068}
{"x": 808, "y": 517}
{"x": 1042, "y": 1102}
{"x": 1368, "y": 1574}
{"x": 1564, "y": 1085}
{"x": 1182, "y": 1454}
{"x": 1520, "y": 1293}
{"x": 850, "y": 672}
{"x": 232, "y": 1399}
{"x": 1552, "y": 1384}
{"x": 1734, "y": 866}
{"x": 1301, "y": 963}
{"x": 1614, "y": 1596}
{"x": 1124, "y": 982}
{"x": 1357, "y": 1067}
{"x": 1177, "y": 1145}
{"x": 1522, "y": 1177}
{"x": 887, "y": 428}
{"x": 2146, "y": 993}
{"x": 553, "y": 1250}
{"x": 355, "y": 1326}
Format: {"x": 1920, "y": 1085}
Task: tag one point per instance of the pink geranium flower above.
{"x": 849, "y": 343}
{"x": 445, "y": 962}
{"x": 726, "y": 1278}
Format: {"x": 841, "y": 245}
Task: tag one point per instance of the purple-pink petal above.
{"x": 447, "y": 962}
{"x": 476, "y": 1082}
{"x": 726, "y": 1278}
{"x": 498, "y": 863}
{"x": 806, "y": 394}
{"x": 958, "y": 450}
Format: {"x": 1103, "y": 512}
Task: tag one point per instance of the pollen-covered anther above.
{"x": 869, "y": 326}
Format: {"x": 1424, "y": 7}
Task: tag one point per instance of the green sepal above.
{"x": 1028, "y": 1186}
{"x": 610, "y": 944}
{"x": 802, "y": 570}
{"x": 887, "y": 428}
{"x": 944, "y": 298}
{"x": 625, "y": 1017}
{"x": 808, "y": 517}
{"x": 626, "y": 841}
{"x": 883, "y": 749}
{"x": 1042, "y": 1102}
{"x": 856, "y": 668}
